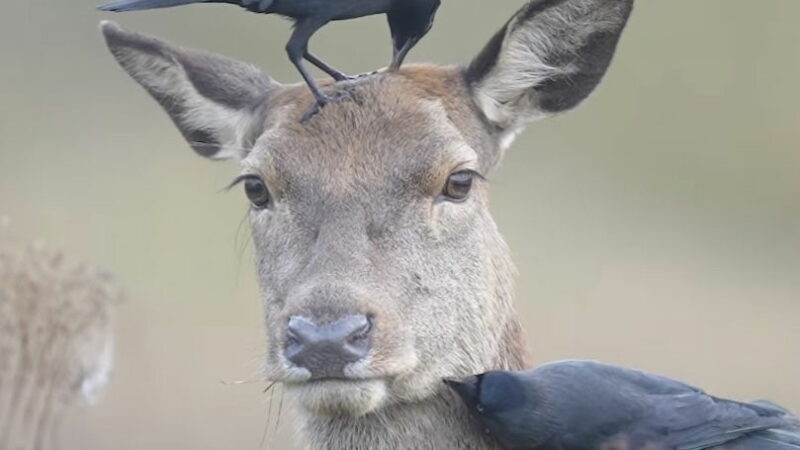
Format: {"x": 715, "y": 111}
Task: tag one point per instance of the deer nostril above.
{"x": 326, "y": 350}
{"x": 361, "y": 333}
{"x": 357, "y": 338}
{"x": 291, "y": 339}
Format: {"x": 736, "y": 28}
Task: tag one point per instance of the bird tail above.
{"x": 137, "y": 5}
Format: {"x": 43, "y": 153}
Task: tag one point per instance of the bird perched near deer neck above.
{"x": 584, "y": 405}
{"x": 409, "y": 21}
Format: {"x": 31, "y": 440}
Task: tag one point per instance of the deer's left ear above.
{"x": 547, "y": 59}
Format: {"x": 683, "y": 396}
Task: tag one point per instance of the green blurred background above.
{"x": 657, "y": 226}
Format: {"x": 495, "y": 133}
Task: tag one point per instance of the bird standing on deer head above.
{"x": 409, "y": 21}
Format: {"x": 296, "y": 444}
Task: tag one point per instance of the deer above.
{"x": 56, "y": 341}
{"x": 381, "y": 270}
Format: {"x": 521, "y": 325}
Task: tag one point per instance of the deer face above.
{"x": 381, "y": 269}
{"x": 378, "y": 259}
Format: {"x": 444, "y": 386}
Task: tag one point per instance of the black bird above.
{"x": 584, "y": 405}
{"x": 409, "y": 21}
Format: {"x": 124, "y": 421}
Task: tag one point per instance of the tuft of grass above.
{"x": 56, "y": 342}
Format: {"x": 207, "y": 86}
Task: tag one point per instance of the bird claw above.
{"x": 361, "y": 76}
{"x": 323, "y": 101}
{"x": 339, "y": 76}
{"x": 365, "y": 75}
{"x": 313, "y": 111}
{"x": 368, "y": 74}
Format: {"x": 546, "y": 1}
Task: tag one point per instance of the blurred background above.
{"x": 657, "y": 226}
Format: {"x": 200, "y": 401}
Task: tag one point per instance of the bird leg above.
{"x": 323, "y": 66}
{"x": 335, "y": 74}
{"x": 297, "y": 48}
{"x": 401, "y": 52}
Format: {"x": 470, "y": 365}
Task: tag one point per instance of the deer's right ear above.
{"x": 547, "y": 59}
{"x": 214, "y": 101}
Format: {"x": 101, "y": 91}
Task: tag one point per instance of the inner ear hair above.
{"x": 547, "y": 59}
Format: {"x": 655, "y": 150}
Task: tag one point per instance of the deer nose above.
{"x": 326, "y": 350}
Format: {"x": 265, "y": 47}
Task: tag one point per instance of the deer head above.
{"x": 380, "y": 266}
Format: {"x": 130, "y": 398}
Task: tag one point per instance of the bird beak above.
{"x": 401, "y": 53}
{"x": 467, "y": 388}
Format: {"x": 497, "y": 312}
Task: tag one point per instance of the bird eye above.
{"x": 257, "y": 192}
{"x": 459, "y": 185}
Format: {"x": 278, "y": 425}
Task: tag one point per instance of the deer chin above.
{"x": 338, "y": 397}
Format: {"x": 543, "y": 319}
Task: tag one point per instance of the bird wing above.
{"x": 690, "y": 419}
{"x": 664, "y": 410}
{"x": 138, "y": 5}
{"x": 697, "y": 421}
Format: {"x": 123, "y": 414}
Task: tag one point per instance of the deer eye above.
{"x": 459, "y": 185}
{"x": 257, "y": 192}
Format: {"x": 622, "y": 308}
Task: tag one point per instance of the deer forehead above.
{"x": 383, "y": 141}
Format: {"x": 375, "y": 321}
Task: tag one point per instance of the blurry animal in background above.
{"x": 55, "y": 342}
{"x": 409, "y": 21}
{"x": 586, "y": 405}
{"x": 381, "y": 269}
